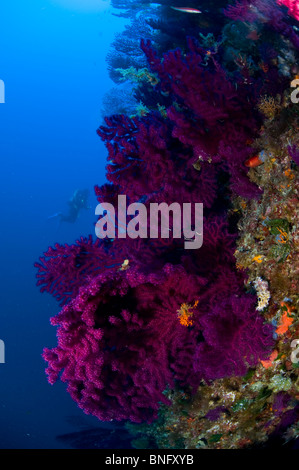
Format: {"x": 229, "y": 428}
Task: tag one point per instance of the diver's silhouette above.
{"x": 78, "y": 201}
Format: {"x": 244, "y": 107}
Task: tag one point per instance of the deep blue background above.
{"x": 52, "y": 61}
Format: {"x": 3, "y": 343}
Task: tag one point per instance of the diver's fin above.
{"x": 58, "y": 214}
{"x": 58, "y": 217}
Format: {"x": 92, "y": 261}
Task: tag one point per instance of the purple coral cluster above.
{"x": 265, "y": 11}
{"x": 120, "y": 341}
{"x": 210, "y": 115}
{"x": 293, "y": 151}
{"x": 120, "y": 344}
{"x": 240, "y": 338}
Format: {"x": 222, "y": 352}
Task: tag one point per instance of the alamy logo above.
{"x": 2, "y": 352}
{"x": 295, "y": 93}
{"x": 2, "y": 91}
{"x": 144, "y": 225}
{"x": 295, "y": 353}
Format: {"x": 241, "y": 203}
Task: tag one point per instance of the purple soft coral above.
{"x": 294, "y": 153}
{"x": 64, "y": 269}
{"x": 119, "y": 341}
{"x": 235, "y": 338}
{"x": 210, "y": 115}
{"x": 122, "y": 339}
{"x": 264, "y": 11}
{"x": 147, "y": 147}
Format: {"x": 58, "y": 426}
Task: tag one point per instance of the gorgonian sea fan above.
{"x": 293, "y": 151}
{"x": 292, "y": 5}
{"x": 238, "y": 341}
{"x": 62, "y": 270}
{"x": 120, "y": 342}
{"x": 266, "y": 11}
{"x": 138, "y": 147}
{"x": 210, "y": 116}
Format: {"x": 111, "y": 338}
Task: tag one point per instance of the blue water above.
{"x": 52, "y": 62}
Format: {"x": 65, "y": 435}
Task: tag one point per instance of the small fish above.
{"x": 254, "y": 161}
{"x": 186, "y": 9}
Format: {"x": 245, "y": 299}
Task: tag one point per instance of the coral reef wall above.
{"x": 198, "y": 342}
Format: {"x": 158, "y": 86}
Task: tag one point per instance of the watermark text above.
{"x": 179, "y": 220}
{"x": 2, "y": 92}
{"x": 295, "y": 353}
{"x": 295, "y": 93}
{"x": 2, "y": 352}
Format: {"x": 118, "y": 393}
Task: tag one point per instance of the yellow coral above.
{"x": 289, "y": 174}
{"x": 269, "y": 106}
{"x": 138, "y": 76}
{"x": 185, "y": 313}
{"x": 283, "y": 237}
{"x": 258, "y": 259}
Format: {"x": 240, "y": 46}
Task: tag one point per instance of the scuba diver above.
{"x": 78, "y": 201}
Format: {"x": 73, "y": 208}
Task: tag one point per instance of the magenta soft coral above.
{"x": 292, "y": 5}
{"x": 152, "y": 150}
{"x": 62, "y": 270}
{"x": 119, "y": 341}
{"x": 239, "y": 340}
{"x": 210, "y": 116}
{"x": 293, "y": 151}
{"x": 136, "y": 147}
{"x": 266, "y": 11}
